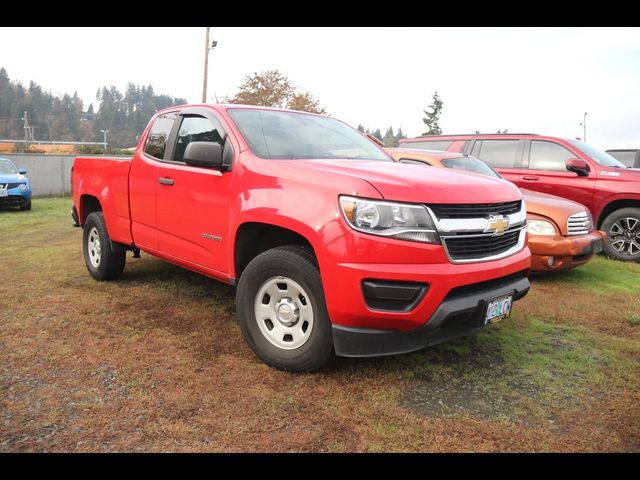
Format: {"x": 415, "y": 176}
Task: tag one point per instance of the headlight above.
{"x": 23, "y": 187}
{"x": 540, "y": 227}
{"x": 396, "y": 220}
{"x": 588, "y": 224}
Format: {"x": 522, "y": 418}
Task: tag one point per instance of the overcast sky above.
{"x": 538, "y": 80}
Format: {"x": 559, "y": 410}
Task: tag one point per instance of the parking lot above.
{"x": 156, "y": 362}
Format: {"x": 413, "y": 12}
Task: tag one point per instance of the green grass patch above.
{"x": 600, "y": 275}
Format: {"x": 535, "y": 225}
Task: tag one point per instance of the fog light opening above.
{"x": 551, "y": 261}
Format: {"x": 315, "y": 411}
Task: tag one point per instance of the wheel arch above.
{"x": 88, "y": 205}
{"x": 614, "y": 205}
{"x": 253, "y": 238}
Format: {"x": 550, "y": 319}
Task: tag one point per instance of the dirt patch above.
{"x": 156, "y": 362}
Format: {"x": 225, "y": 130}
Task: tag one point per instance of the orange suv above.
{"x": 560, "y": 231}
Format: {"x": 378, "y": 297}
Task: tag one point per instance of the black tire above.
{"x": 110, "y": 265}
{"x": 298, "y": 264}
{"x": 623, "y": 243}
{"x": 26, "y": 206}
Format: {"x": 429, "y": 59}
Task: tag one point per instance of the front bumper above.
{"x": 564, "y": 252}
{"x": 15, "y": 198}
{"x": 461, "y": 312}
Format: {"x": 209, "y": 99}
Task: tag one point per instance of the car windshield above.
{"x": 290, "y": 135}
{"x": 7, "y": 167}
{"x": 599, "y": 156}
{"x": 470, "y": 164}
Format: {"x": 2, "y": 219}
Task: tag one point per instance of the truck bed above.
{"x": 106, "y": 179}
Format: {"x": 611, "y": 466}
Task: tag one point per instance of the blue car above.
{"x": 15, "y": 190}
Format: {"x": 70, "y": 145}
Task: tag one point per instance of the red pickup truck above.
{"x": 567, "y": 168}
{"x": 334, "y": 248}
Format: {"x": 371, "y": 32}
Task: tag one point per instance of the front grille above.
{"x": 467, "y": 247}
{"x": 475, "y": 210}
{"x": 8, "y": 186}
{"x": 579, "y": 224}
{"x": 12, "y": 201}
{"x": 470, "y": 289}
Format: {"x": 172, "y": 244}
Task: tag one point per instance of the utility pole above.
{"x": 207, "y": 47}
{"x": 206, "y": 66}
{"x": 584, "y": 127}
{"x": 28, "y": 130}
{"x": 105, "y": 140}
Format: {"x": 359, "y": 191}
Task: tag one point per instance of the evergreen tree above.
{"x": 62, "y": 117}
{"x": 377, "y": 134}
{"x": 431, "y": 119}
{"x": 361, "y": 128}
{"x": 389, "y": 138}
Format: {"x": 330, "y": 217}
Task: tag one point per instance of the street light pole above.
{"x": 206, "y": 66}
{"x": 584, "y": 126}
{"x": 105, "y": 139}
{"x": 207, "y": 48}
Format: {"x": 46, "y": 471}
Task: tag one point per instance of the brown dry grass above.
{"x": 156, "y": 362}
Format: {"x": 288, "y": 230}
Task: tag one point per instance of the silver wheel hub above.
{"x": 93, "y": 246}
{"x": 624, "y": 236}
{"x": 287, "y": 312}
{"x": 284, "y": 313}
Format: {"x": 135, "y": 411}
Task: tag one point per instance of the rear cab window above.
{"x": 156, "y": 143}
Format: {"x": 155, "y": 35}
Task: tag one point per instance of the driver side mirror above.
{"x": 22, "y": 171}
{"x": 578, "y": 166}
{"x": 203, "y": 154}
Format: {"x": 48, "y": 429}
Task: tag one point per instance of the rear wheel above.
{"x": 623, "y": 231}
{"x": 102, "y": 263}
{"x": 282, "y": 312}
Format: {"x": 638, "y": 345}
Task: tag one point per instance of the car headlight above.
{"x": 397, "y": 220}
{"x": 23, "y": 187}
{"x": 540, "y": 227}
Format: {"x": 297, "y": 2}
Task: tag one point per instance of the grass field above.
{"x": 156, "y": 362}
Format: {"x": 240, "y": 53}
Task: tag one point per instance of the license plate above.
{"x": 596, "y": 246}
{"x": 4, "y": 193}
{"x": 498, "y": 308}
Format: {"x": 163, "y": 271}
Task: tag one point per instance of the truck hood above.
{"x": 415, "y": 183}
{"x": 556, "y": 208}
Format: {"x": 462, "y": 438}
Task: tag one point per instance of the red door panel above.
{"x": 142, "y": 201}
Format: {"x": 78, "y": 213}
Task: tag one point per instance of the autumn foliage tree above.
{"x": 273, "y": 89}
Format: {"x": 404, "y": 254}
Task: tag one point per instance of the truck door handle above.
{"x": 166, "y": 181}
{"x": 531, "y": 179}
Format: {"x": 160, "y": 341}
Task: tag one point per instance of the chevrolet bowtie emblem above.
{"x": 497, "y": 225}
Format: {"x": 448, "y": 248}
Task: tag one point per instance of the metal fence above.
{"x": 49, "y": 175}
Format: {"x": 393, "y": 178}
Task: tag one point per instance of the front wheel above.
{"x": 26, "y": 206}
{"x": 102, "y": 263}
{"x": 282, "y": 311}
{"x": 623, "y": 231}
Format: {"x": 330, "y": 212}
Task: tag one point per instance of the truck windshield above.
{"x": 470, "y": 164}
{"x": 290, "y": 135}
{"x": 6, "y": 167}
{"x": 599, "y": 156}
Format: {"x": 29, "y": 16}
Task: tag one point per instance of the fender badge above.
{"x": 208, "y": 236}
